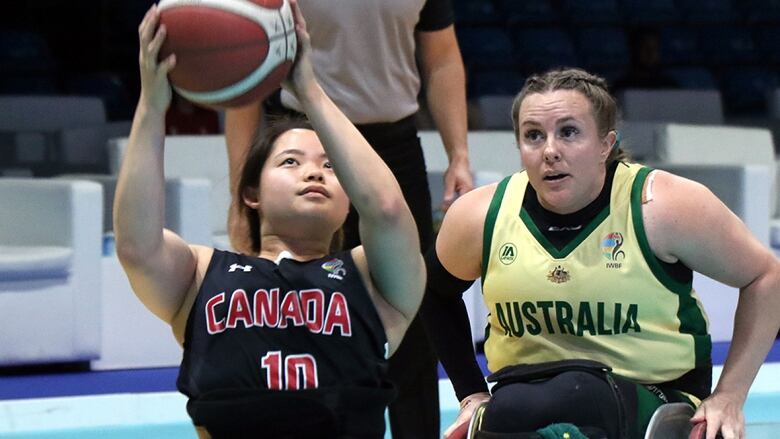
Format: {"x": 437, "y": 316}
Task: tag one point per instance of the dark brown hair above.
{"x": 593, "y": 87}
{"x": 253, "y": 165}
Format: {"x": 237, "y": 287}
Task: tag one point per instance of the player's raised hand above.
{"x": 301, "y": 76}
{"x": 155, "y": 88}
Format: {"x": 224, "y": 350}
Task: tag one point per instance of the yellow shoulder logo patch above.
{"x": 507, "y": 253}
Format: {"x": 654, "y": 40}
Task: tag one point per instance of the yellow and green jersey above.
{"x": 604, "y": 296}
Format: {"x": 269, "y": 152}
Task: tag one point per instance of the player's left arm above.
{"x": 685, "y": 221}
{"x": 390, "y": 255}
{"x": 445, "y": 84}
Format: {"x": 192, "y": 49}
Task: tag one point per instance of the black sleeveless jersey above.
{"x": 257, "y": 328}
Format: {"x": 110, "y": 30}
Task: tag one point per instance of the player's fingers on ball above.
{"x": 297, "y": 13}
{"x": 157, "y": 41}
{"x": 712, "y": 430}
{"x": 168, "y": 64}
{"x": 730, "y": 431}
{"x": 145, "y": 34}
{"x": 151, "y": 24}
{"x": 145, "y": 20}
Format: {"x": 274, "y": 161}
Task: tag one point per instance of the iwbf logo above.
{"x": 611, "y": 249}
{"x": 335, "y": 268}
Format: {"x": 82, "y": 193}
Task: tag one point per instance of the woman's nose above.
{"x": 314, "y": 174}
{"x": 551, "y": 152}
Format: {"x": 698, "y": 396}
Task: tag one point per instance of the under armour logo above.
{"x": 244, "y": 268}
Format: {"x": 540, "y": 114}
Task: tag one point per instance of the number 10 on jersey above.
{"x": 293, "y": 372}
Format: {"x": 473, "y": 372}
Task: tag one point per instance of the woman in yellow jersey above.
{"x": 584, "y": 256}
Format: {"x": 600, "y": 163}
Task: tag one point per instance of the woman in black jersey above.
{"x": 290, "y": 341}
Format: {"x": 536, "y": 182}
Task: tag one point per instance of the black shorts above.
{"x": 579, "y": 397}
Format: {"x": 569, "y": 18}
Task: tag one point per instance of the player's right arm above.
{"x": 159, "y": 264}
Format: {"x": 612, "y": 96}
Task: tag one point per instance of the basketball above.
{"x": 698, "y": 431}
{"x": 228, "y": 52}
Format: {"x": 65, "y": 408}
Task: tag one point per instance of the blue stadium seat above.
{"x": 610, "y": 74}
{"x": 768, "y": 44}
{"x": 643, "y": 12}
{"x": 727, "y": 46}
{"x": 24, "y": 53}
{"x": 475, "y": 12}
{"x": 590, "y": 12}
{"x": 494, "y": 82}
{"x": 746, "y": 90}
{"x": 679, "y": 46}
{"x": 29, "y": 85}
{"x": 493, "y": 112}
{"x": 708, "y": 11}
{"x": 693, "y": 78}
{"x": 761, "y": 11}
{"x": 527, "y": 12}
{"x": 485, "y": 47}
{"x": 603, "y": 48}
{"x": 543, "y": 48}
{"x": 109, "y": 88}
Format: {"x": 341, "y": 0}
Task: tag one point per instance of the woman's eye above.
{"x": 328, "y": 165}
{"x": 289, "y": 161}
{"x": 533, "y": 135}
{"x": 567, "y": 132}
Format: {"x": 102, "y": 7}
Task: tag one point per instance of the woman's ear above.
{"x": 250, "y": 197}
{"x": 610, "y": 142}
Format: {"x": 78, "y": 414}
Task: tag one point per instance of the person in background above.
{"x": 586, "y": 262}
{"x": 645, "y": 70}
{"x": 184, "y": 117}
{"x": 365, "y": 55}
{"x": 291, "y": 339}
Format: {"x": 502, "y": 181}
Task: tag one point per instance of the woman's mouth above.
{"x": 316, "y": 190}
{"x": 555, "y": 177}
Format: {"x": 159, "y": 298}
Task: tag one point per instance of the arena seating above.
{"x": 50, "y": 269}
{"x": 719, "y": 145}
{"x": 150, "y": 343}
{"x": 27, "y": 65}
{"x": 692, "y": 78}
{"x": 199, "y": 157}
{"x": 185, "y": 201}
{"x": 640, "y": 12}
{"x": 50, "y": 135}
{"x": 669, "y": 105}
{"x": 707, "y": 11}
{"x": 494, "y": 111}
{"x": 640, "y": 139}
{"x": 591, "y": 12}
{"x": 679, "y": 46}
{"x": 603, "y": 48}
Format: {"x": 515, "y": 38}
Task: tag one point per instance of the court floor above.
{"x": 129, "y": 404}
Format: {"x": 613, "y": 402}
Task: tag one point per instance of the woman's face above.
{"x": 298, "y": 188}
{"x": 562, "y": 150}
